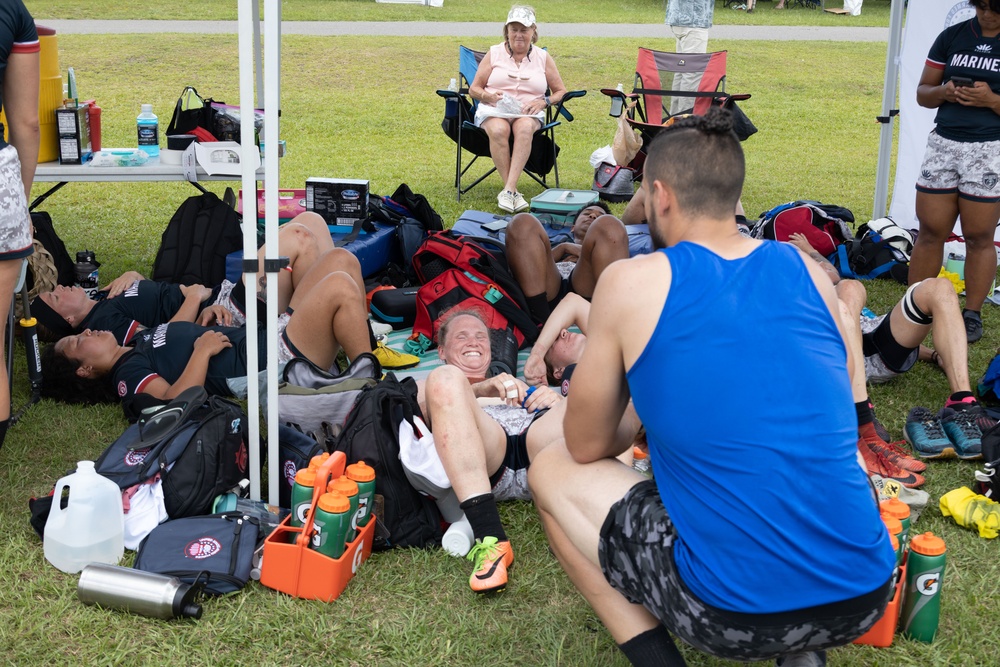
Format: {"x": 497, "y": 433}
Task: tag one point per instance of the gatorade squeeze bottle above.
{"x": 350, "y": 491}
{"x": 332, "y": 522}
{"x": 924, "y": 577}
{"x": 302, "y": 494}
{"x": 896, "y": 531}
{"x": 364, "y": 475}
{"x": 318, "y": 460}
{"x": 897, "y": 509}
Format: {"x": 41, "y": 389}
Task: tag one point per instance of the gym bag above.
{"x": 887, "y": 230}
{"x": 613, "y": 182}
{"x": 869, "y": 257}
{"x": 824, "y": 226}
{"x": 371, "y": 434}
{"x": 316, "y": 402}
{"x": 196, "y": 443}
{"x": 222, "y": 545}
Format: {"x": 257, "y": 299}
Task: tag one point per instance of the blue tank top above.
{"x": 744, "y": 393}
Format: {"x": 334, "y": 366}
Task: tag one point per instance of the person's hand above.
{"x": 799, "y": 241}
{"x": 122, "y": 283}
{"x": 979, "y": 94}
{"x": 214, "y": 315}
{"x": 212, "y": 342}
{"x": 508, "y": 388}
{"x": 196, "y": 291}
{"x": 566, "y": 252}
{"x": 950, "y": 91}
{"x": 541, "y": 398}
{"x": 533, "y": 107}
{"x": 534, "y": 370}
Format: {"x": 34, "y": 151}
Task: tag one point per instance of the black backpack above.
{"x": 197, "y": 444}
{"x": 869, "y": 257}
{"x": 371, "y": 434}
{"x": 195, "y": 243}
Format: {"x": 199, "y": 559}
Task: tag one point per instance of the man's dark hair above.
{"x": 61, "y": 383}
{"x": 700, "y": 158}
{"x": 600, "y": 203}
{"x": 992, "y": 5}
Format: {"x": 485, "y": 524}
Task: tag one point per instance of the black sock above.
{"x": 4, "y": 425}
{"x": 864, "y": 410}
{"x": 538, "y": 306}
{"x": 653, "y": 647}
{"x": 484, "y": 517}
{"x": 371, "y": 335}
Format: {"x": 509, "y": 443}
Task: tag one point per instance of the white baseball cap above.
{"x": 521, "y": 15}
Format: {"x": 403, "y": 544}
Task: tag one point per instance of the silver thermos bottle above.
{"x": 145, "y": 593}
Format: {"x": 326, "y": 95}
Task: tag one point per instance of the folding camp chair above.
{"x": 669, "y": 85}
{"x": 460, "y": 112}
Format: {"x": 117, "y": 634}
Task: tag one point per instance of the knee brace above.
{"x": 910, "y": 310}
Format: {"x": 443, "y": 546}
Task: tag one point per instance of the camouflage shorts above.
{"x": 971, "y": 168}
{"x": 636, "y": 556}
{"x": 15, "y": 221}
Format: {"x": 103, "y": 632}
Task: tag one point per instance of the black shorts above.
{"x": 636, "y": 556}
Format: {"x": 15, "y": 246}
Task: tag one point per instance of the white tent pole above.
{"x": 258, "y": 57}
{"x": 249, "y": 180}
{"x": 272, "y": 89}
{"x": 889, "y": 88}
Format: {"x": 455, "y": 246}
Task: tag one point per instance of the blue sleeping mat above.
{"x": 471, "y": 223}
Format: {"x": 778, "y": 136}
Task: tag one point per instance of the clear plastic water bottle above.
{"x": 453, "y": 86}
{"x": 617, "y": 102}
{"x": 148, "y": 126}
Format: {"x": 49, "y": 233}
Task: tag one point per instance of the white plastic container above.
{"x": 458, "y": 539}
{"x": 91, "y": 527}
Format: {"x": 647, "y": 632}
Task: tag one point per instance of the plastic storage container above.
{"x": 91, "y": 527}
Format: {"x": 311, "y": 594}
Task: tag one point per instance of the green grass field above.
{"x": 347, "y": 113}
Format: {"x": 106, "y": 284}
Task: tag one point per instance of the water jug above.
{"x": 146, "y": 593}
{"x": 91, "y": 527}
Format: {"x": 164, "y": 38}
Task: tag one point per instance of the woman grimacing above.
{"x": 960, "y": 174}
{"x": 517, "y": 70}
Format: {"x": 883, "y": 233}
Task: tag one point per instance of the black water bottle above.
{"x": 85, "y": 271}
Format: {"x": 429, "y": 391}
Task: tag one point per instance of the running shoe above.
{"x": 877, "y": 464}
{"x": 380, "y": 328}
{"x": 973, "y": 325}
{"x": 391, "y": 360}
{"x": 491, "y": 559}
{"x": 897, "y": 455}
{"x": 505, "y": 201}
{"x": 881, "y": 430}
{"x": 961, "y": 428}
{"x": 926, "y": 435}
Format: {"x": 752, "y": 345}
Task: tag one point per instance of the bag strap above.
{"x": 601, "y": 171}
{"x": 843, "y": 265}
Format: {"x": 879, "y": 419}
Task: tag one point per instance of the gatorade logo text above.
{"x": 202, "y": 548}
{"x": 359, "y": 554}
{"x": 927, "y": 584}
{"x": 135, "y": 457}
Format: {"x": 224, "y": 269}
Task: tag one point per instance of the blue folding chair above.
{"x": 460, "y": 111}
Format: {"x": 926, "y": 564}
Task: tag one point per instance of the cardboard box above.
{"x": 290, "y": 204}
{"x": 341, "y": 201}
{"x": 73, "y": 126}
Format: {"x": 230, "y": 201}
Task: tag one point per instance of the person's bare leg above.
{"x": 470, "y": 444}
{"x": 336, "y": 259}
{"x": 979, "y": 222}
{"x": 606, "y": 242}
{"x": 524, "y": 131}
{"x": 937, "y": 214}
{"x": 330, "y": 316}
{"x": 303, "y": 239}
{"x": 529, "y": 253}
{"x": 498, "y": 130}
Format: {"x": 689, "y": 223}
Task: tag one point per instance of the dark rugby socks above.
{"x": 538, "y": 306}
{"x": 484, "y": 517}
{"x": 864, "y": 411}
{"x": 653, "y": 648}
{"x": 3, "y": 430}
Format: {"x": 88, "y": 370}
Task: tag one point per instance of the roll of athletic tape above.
{"x": 178, "y": 142}
{"x": 172, "y": 157}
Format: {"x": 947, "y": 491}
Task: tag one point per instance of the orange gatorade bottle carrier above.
{"x": 291, "y": 567}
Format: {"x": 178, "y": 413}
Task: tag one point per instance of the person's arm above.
{"x": 122, "y": 283}
{"x": 566, "y": 252}
{"x": 557, "y": 89}
{"x": 572, "y": 310}
{"x": 600, "y": 392}
{"x": 979, "y": 94}
{"x": 207, "y": 346}
{"x": 635, "y": 210}
{"x": 477, "y": 89}
{"x": 193, "y": 297}
{"x": 20, "y": 103}
{"x": 830, "y": 299}
{"x": 931, "y": 93}
{"x": 800, "y": 242}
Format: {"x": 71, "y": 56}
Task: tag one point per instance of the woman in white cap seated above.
{"x": 510, "y": 86}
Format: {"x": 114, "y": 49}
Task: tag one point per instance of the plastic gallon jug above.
{"x": 91, "y": 527}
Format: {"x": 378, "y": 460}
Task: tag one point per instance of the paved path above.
{"x": 443, "y": 29}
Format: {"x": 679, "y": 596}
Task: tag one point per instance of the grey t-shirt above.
{"x": 690, "y": 13}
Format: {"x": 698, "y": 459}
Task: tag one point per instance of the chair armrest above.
{"x": 449, "y": 94}
{"x": 561, "y": 108}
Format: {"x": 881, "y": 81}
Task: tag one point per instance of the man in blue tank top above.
{"x": 728, "y": 547}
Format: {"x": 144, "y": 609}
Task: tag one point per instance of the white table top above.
{"x": 53, "y": 172}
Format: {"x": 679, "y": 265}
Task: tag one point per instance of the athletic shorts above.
{"x": 636, "y": 556}
{"x": 15, "y": 220}
{"x": 970, "y": 168}
{"x": 510, "y": 481}
{"x": 286, "y": 351}
{"x": 877, "y": 370}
